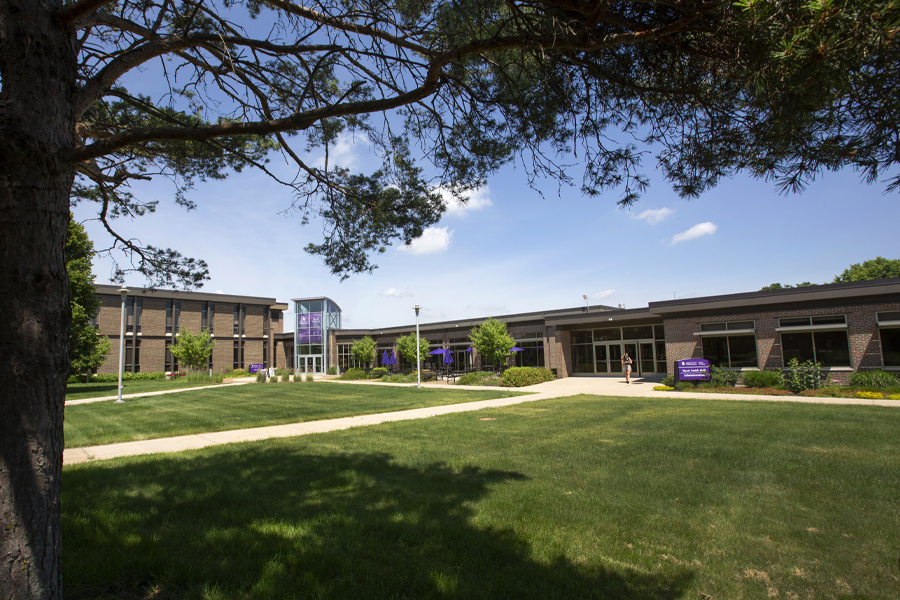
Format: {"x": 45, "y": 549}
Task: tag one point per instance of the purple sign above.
{"x": 255, "y": 368}
{"x": 309, "y": 328}
{"x": 691, "y": 368}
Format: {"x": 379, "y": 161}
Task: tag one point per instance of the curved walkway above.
{"x": 570, "y": 386}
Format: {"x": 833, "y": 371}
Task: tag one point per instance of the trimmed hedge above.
{"x": 477, "y": 378}
{"x": 762, "y": 379}
{"x": 524, "y": 376}
{"x": 353, "y": 374}
{"x": 114, "y": 377}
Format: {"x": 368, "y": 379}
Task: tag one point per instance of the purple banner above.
{"x": 692, "y": 368}
{"x": 255, "y": 368}
{"x": 309, "y": 328}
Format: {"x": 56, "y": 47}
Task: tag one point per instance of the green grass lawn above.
{"x": 79, "y": 391}
{"x": 582, "y": 497}
{"x": 240, "y": 407}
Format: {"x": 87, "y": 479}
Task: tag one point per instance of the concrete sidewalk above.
{"x": 559, "y": 388}
{"x": 242, "y": 381}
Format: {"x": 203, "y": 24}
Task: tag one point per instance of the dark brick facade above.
{"x": 149, "y": 332}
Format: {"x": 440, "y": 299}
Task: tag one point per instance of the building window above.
{"x": 132, "y": 355}
{"x": 237, "y": 319}
{"x": 728, "y": 326}
{"x": 207, "y": 312}
{"x": 133, "y": 308}
{"x": 265, "y": 354}
{"x": 813, "y": 321}
{"x": 890, "y": 347}
{"x": 730, "y": 351}
{"x": 532, "y": 354}
{"x": 176, "y": 316}
{"x": 168, "y": 316}
{"x": 171, "y": 361}
{"x": 828, "y": 348}
{"x": 825, "y": 340}
{"x": 266, "y": 320}
{"x": 238, "y": 362}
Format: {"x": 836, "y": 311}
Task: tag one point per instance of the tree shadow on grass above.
{"x": 111, "y": 388}
{"x": 270, "y": 521}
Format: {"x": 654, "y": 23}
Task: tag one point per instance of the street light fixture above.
{"x": 418, "y": 360}
{"x": 587, "y": 305}
{"x": 124, "y": 291}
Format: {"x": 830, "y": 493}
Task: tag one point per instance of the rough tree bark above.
{"x": 38, "y": 68}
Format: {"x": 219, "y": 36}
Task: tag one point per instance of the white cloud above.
{"x": 433, "y": 314}
{"x": 603, "y": 294}
{"x": 478, "y": 199}
{"x": 696, "y": 231}
{"x": 343, "y": 152}
{"x": 433, "y": 240}
{"x": 395, "y": 293}
{"x": 656, "y": 215}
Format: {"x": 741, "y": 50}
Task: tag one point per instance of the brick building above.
{"x": 242, "y": 327}
{"x": 845, "y": 327}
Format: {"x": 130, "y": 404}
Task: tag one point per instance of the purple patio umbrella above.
{"x": 448, "y": 357}
{"x": 393, "y": 359}
{"x": 515, "y": 349}
{"x": 384, "y": 359}
{"x": 438, "y": 351}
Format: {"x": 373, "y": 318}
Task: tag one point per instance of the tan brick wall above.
{"x": 190, "y": 316}
{"x": 153, "y": 317}
{"x": 110, "y": 315}
{"x": 223, "y": 321}
{"x": 862, "y": 330}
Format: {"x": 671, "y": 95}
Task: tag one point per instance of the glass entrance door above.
{"x": 608, "y": 358}
{"x": 310, "y": 364}
{"x": 647, "y": 364}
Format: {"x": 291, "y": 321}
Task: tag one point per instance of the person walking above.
{"x": 626, "y": 366}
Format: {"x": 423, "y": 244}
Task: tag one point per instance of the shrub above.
{"x": 522, "y": 376}
{"x": 477, "y": 378}
{"x": 114, "y": 377}
{"x": 309, "y": 377}
{"x": 236, "y": 373}
{"x": 893, "y": 397}
{"x": 260, "y": 376}
{"x": 378, "y": 372}
{"x": 669, "y": 381}
{"x": 763, "y": 379}
{"x": 802, "y": 377}
{"x": 203, "y": 377}
{"x": 719, "y": 377}
{"x": 286, "y": 378}
{"x": 874, "y": 379}
{"x": 353, "y": 374}
{"x": 332, "y": 371}
{"x": 427, "y": 375}
{"x": 684, "y": 385}
{"x": 663, "y": 388}
{"x": 869, "y": 395}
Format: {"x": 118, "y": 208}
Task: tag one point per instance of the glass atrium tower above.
{"x": 313, "y": 319}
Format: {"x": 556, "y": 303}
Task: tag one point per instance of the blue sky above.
{"x": 512, "y": 251}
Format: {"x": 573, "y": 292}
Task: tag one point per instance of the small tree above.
{"x": 87, "y": 348}
{"x": 363, "y": 350}
{"x": 492, "y": 341}
{"x": 406, "y": 346}
{"x": 193, "y": 350}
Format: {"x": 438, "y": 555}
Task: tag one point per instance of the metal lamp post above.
{"x": 124, "y": 291}
{"x": 418, "y": 360}
{"x": 587, "y": 304}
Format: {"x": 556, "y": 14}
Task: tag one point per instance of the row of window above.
{"x": 132, "y": 361}
{"x": 821, "y": 339}
{"x": 134, "y": 311}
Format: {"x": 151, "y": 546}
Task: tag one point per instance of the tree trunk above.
{"x": 37, "y": 75}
